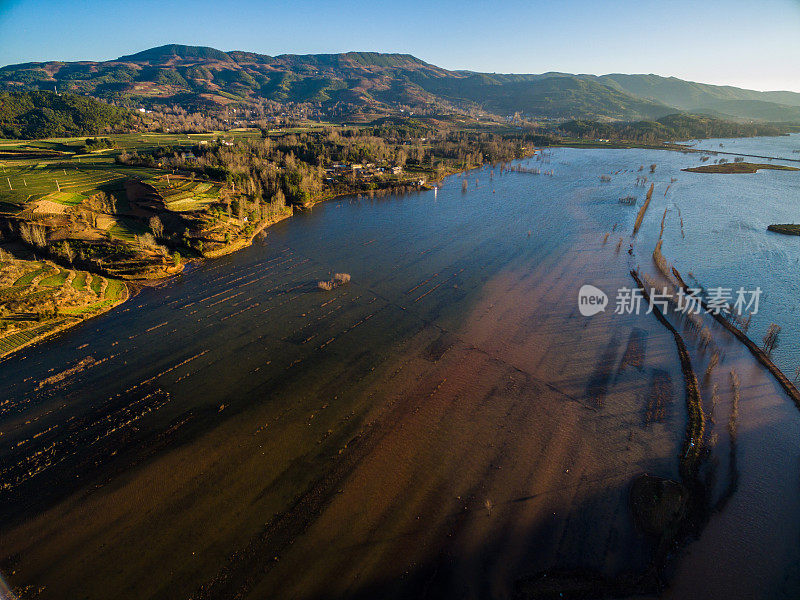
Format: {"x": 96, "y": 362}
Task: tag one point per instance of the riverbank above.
{"x": 246, "y": 241}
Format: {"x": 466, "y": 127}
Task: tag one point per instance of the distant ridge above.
{"x": 163, "y": 54}
{"x": 373, "y": 82}
{"x": 689, "y": 95}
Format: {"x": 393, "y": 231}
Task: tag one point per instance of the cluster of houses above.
{"x": 362, "y": 170}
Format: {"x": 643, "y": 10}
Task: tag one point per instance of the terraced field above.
{"x": 38, "y": 298}
{"x": 184, "y": 194}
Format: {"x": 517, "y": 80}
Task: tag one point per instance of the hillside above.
{"x": 697, "y": 97}
{"x": 548, "y": 96}
{"x": 752, "y": 109}
{"x": 196, "y": 77}
{"x": 39, "y": 114}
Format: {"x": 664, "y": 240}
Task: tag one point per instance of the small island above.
{"x": 738, "y": 167}
{"x": 785, "y": 228}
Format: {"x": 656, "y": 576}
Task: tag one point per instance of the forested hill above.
{"x": 338, "y": 85}
{"x": 39, "y": 114}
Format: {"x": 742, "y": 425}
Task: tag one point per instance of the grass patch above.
{"x": 26, "y": 279}
{"x": 67, "y": 198}
{"x": 96, "y": 283}
{"x": 79, "y": 282}
{"x": 127, "y": 230}
{"x": 114, "y": 290}
{"x": 85, "y": 310}
{"x": 56, "y": 280}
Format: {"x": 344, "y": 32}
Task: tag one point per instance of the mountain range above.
{"x": 197, "y": 77}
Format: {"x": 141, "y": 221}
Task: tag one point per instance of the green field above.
{"x": 114, "y": 290}
{"x": 97, "y": 281}
{"x": 26, "y": 279}
{"x": 15, "y": 340}
{"x": 67, "y": 183}
{"x": 127, "y": 230}
{"x": 125, "y": 141}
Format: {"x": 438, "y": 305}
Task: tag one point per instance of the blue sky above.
{"x": 748, "y": 44}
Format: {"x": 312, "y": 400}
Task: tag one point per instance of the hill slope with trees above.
{"x": 40, "y": 114}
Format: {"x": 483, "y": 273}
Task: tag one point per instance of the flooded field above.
{"x": 445, "y": 425}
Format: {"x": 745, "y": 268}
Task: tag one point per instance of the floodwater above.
{"x": 727, "y": 244}
{"x": 447, "y": 424}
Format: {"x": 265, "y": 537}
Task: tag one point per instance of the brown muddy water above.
{"x": 446, "y": 425}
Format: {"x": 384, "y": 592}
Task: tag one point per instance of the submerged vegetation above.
{"x": 337, "y": 280}
{"x": 643, "y": 209}
{"x": 659, "y": 505}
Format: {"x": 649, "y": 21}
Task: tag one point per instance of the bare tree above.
{"x": 156, "y": 226}
{"x": 67, "y": 251}
{"x": 111, "y": 204}
{"x": 146, "y": 240}
{"x": 33, "y": 234}
{"x": 771, "y": 338}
